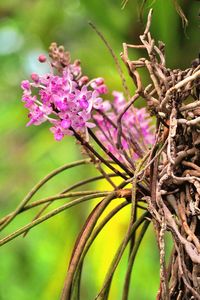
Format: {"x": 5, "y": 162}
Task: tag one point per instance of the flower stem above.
{"x": 87, "y": 145}
{"x": 39, "y": 185}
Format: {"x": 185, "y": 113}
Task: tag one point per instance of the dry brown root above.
{"x": 172, "y": 97}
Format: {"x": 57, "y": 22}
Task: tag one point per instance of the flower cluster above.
{"x": 65, "y": 100}
{"x": 136, "y": 128}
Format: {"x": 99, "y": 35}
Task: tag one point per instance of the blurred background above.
{"x": 34, "y": 267}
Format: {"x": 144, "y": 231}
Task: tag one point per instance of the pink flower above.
{"x": 36, "y": 116}
{"x": 25, "y": 85}
{"x": 98, "y": 85}
{"x": 65, "y": 124}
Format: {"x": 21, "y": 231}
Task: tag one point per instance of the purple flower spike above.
{"x": 135, "y": 127}
{"x": 65, "y": 100}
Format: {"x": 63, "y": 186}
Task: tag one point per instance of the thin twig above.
{"x": 121, "y": 74}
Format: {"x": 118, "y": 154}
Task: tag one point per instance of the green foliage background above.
{"x": 34, "y": 267}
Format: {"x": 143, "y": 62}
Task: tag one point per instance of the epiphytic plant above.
{"x": 158, "y": 166}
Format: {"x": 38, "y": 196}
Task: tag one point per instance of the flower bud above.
{"x": 83, "y": 80}
{"x": 42, "y": 58}
{"x": 35, "y": 77}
